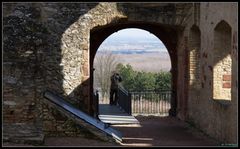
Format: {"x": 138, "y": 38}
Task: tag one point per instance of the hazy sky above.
{"x": 132, "y": 34}
{"x": 139, "y": 48}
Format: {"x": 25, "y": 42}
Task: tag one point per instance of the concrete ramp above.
{"x": 59, "y": 101}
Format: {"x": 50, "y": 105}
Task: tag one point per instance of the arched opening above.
{"x": 161, "y": 32}
{"x": 222, "y": 62}
{"x": 194, "y": 57}
{"x": 144, "y": 64}
{"x": 194, "y": 70}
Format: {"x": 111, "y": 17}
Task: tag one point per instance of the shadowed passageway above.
{"x": 152, "y": 131}
{"x": 162, "y": 131}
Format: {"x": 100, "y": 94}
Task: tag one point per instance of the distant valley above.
{"x": 145, "y": 61}
{"x": 143, "y": 55}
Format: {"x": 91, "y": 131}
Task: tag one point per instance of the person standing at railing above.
{"x": 115, "y": 82}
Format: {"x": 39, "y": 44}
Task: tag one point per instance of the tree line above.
{"x": 141, "y": 81}
{"x": 133, "y": 80}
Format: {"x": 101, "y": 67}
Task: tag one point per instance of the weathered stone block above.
{"x": 226, "y": 85}
{"x": 226, "y": 77}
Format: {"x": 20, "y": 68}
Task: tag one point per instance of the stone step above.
{"x": 22, "y": 133}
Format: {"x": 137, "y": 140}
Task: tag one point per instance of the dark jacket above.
{"x": 115, "y": 80}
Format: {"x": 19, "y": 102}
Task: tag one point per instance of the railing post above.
{"x": 130, "y": 103}
{"x": 96, "y": 101}
{"x": 124, "y": 100}
{"x": 97, "y": 106}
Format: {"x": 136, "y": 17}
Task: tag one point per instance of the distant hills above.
{"x": 143, "y": 61}
{"x": 144, "y": 54}
{"x": 130, "y": 51}
{"x": 132, "y": 47}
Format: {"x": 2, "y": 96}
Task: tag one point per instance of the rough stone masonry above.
{"x": 51, "y": 46}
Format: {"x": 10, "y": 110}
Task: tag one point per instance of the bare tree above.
{"x": 104, "y": 63}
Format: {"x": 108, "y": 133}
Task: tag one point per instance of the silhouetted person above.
{"x": 115, "y": 80}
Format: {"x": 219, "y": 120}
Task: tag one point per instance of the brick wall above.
{"x": 213, "y": 107}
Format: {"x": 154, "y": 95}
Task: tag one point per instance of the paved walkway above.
{"x": 162, "y": 131}
{"x": 152, "y": 131}
{"x": 114, "y": 115}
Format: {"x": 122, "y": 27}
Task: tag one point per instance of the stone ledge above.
{"x": 223, "y": 102}
{"x": 22, "y": 133}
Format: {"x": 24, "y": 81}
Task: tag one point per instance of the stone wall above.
{"x": 32, "y": 57}
{"x": 46, "y": 46}
{"x": 222, "y": 61}
{"x": 218, "y": 118}
{"x": 24, "y": 40}
{"x": 75, "y": 50}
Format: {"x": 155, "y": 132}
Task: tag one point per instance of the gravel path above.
{"x": 153, "y": 131}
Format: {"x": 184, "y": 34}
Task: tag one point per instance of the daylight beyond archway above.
{"x": 144, "y": 64}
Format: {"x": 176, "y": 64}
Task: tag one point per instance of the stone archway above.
{"x": 55, "y": 54}
{"x": 85, "y": 36}
{"x": 76, "y": 40}
{"x": 162, "y": 32}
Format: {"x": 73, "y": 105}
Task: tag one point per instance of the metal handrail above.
{"x": 151, "y": 101}
{"x": 96, "y": 101}
{"x": 123, "y": 89}
{"x": 124, "y": 100}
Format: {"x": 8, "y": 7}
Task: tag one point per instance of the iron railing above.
{"x": 95, "y": 103}
{"x": 151, "y": 102}
{"x": 124, "y": 100}
{"x": 146, "y": 102}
